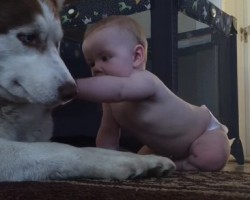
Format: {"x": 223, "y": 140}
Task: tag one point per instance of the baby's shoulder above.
{"x": 145, "y": 75}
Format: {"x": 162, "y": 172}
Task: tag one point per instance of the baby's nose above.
{"x": 96, "y": 70}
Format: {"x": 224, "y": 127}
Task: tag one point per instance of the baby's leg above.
{"x": 145, "y": 150}
{"x": 209, "y": 152}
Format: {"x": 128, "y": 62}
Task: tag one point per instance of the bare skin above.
{"x": 135, "y": 99}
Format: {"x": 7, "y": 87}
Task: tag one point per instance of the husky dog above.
{"x": 34, "y": 80}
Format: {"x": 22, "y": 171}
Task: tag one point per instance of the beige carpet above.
{"x": 179, "y": 186}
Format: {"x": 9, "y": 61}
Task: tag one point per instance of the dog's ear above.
{"x": 71, "y": 1}
{"x": 54, "y": 4}
{"x": 59, "y": 4}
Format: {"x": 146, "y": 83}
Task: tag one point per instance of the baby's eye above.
{"x": 105, "y": 58}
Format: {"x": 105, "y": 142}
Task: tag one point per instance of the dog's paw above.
{"x": 158, "y": 166}
{"x": 110, "y": 164}
{"x": 144, "y": 166}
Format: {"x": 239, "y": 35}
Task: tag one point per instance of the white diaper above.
{"x": 214, "y": 123}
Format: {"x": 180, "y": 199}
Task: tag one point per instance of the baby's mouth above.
{"x": 97, "y": 74}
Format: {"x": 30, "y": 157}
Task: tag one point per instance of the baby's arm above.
{"x": 109, "y": 132}
{"x": 140, "y": 85}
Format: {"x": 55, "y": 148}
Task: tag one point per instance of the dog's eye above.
{"x": 28, "y": 39}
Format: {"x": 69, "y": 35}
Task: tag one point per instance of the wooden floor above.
{"x": 233, "y": 166}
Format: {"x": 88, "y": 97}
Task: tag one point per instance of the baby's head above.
{"x": 121, "y": 31}
{"x": 123, "y": 23}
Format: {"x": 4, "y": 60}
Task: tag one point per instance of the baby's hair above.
{"x": 123, "y": 22}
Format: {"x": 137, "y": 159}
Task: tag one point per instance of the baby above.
{"x": 133, "y": 98}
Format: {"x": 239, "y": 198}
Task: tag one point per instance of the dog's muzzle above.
{"x": 67, "y": 92}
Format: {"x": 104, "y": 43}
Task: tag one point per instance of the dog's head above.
{"x": 31, "y": 69}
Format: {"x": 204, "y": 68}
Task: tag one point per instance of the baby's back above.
{"x": 164, "y": 122}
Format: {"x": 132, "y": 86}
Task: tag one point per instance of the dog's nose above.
{"x": 67, "y": 92}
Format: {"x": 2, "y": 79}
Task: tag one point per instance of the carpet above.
{"x": 179, "y": 186}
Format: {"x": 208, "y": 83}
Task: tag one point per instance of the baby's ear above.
{"x": 139, "y": 56}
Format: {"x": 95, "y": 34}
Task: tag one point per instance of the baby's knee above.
{"x": 211, "y": 161}
{"x": 211, "y": 151}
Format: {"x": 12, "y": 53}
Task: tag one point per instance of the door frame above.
{"x": 238, "y": 9}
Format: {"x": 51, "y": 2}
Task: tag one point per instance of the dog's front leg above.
{"x": 44, "y": 160}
